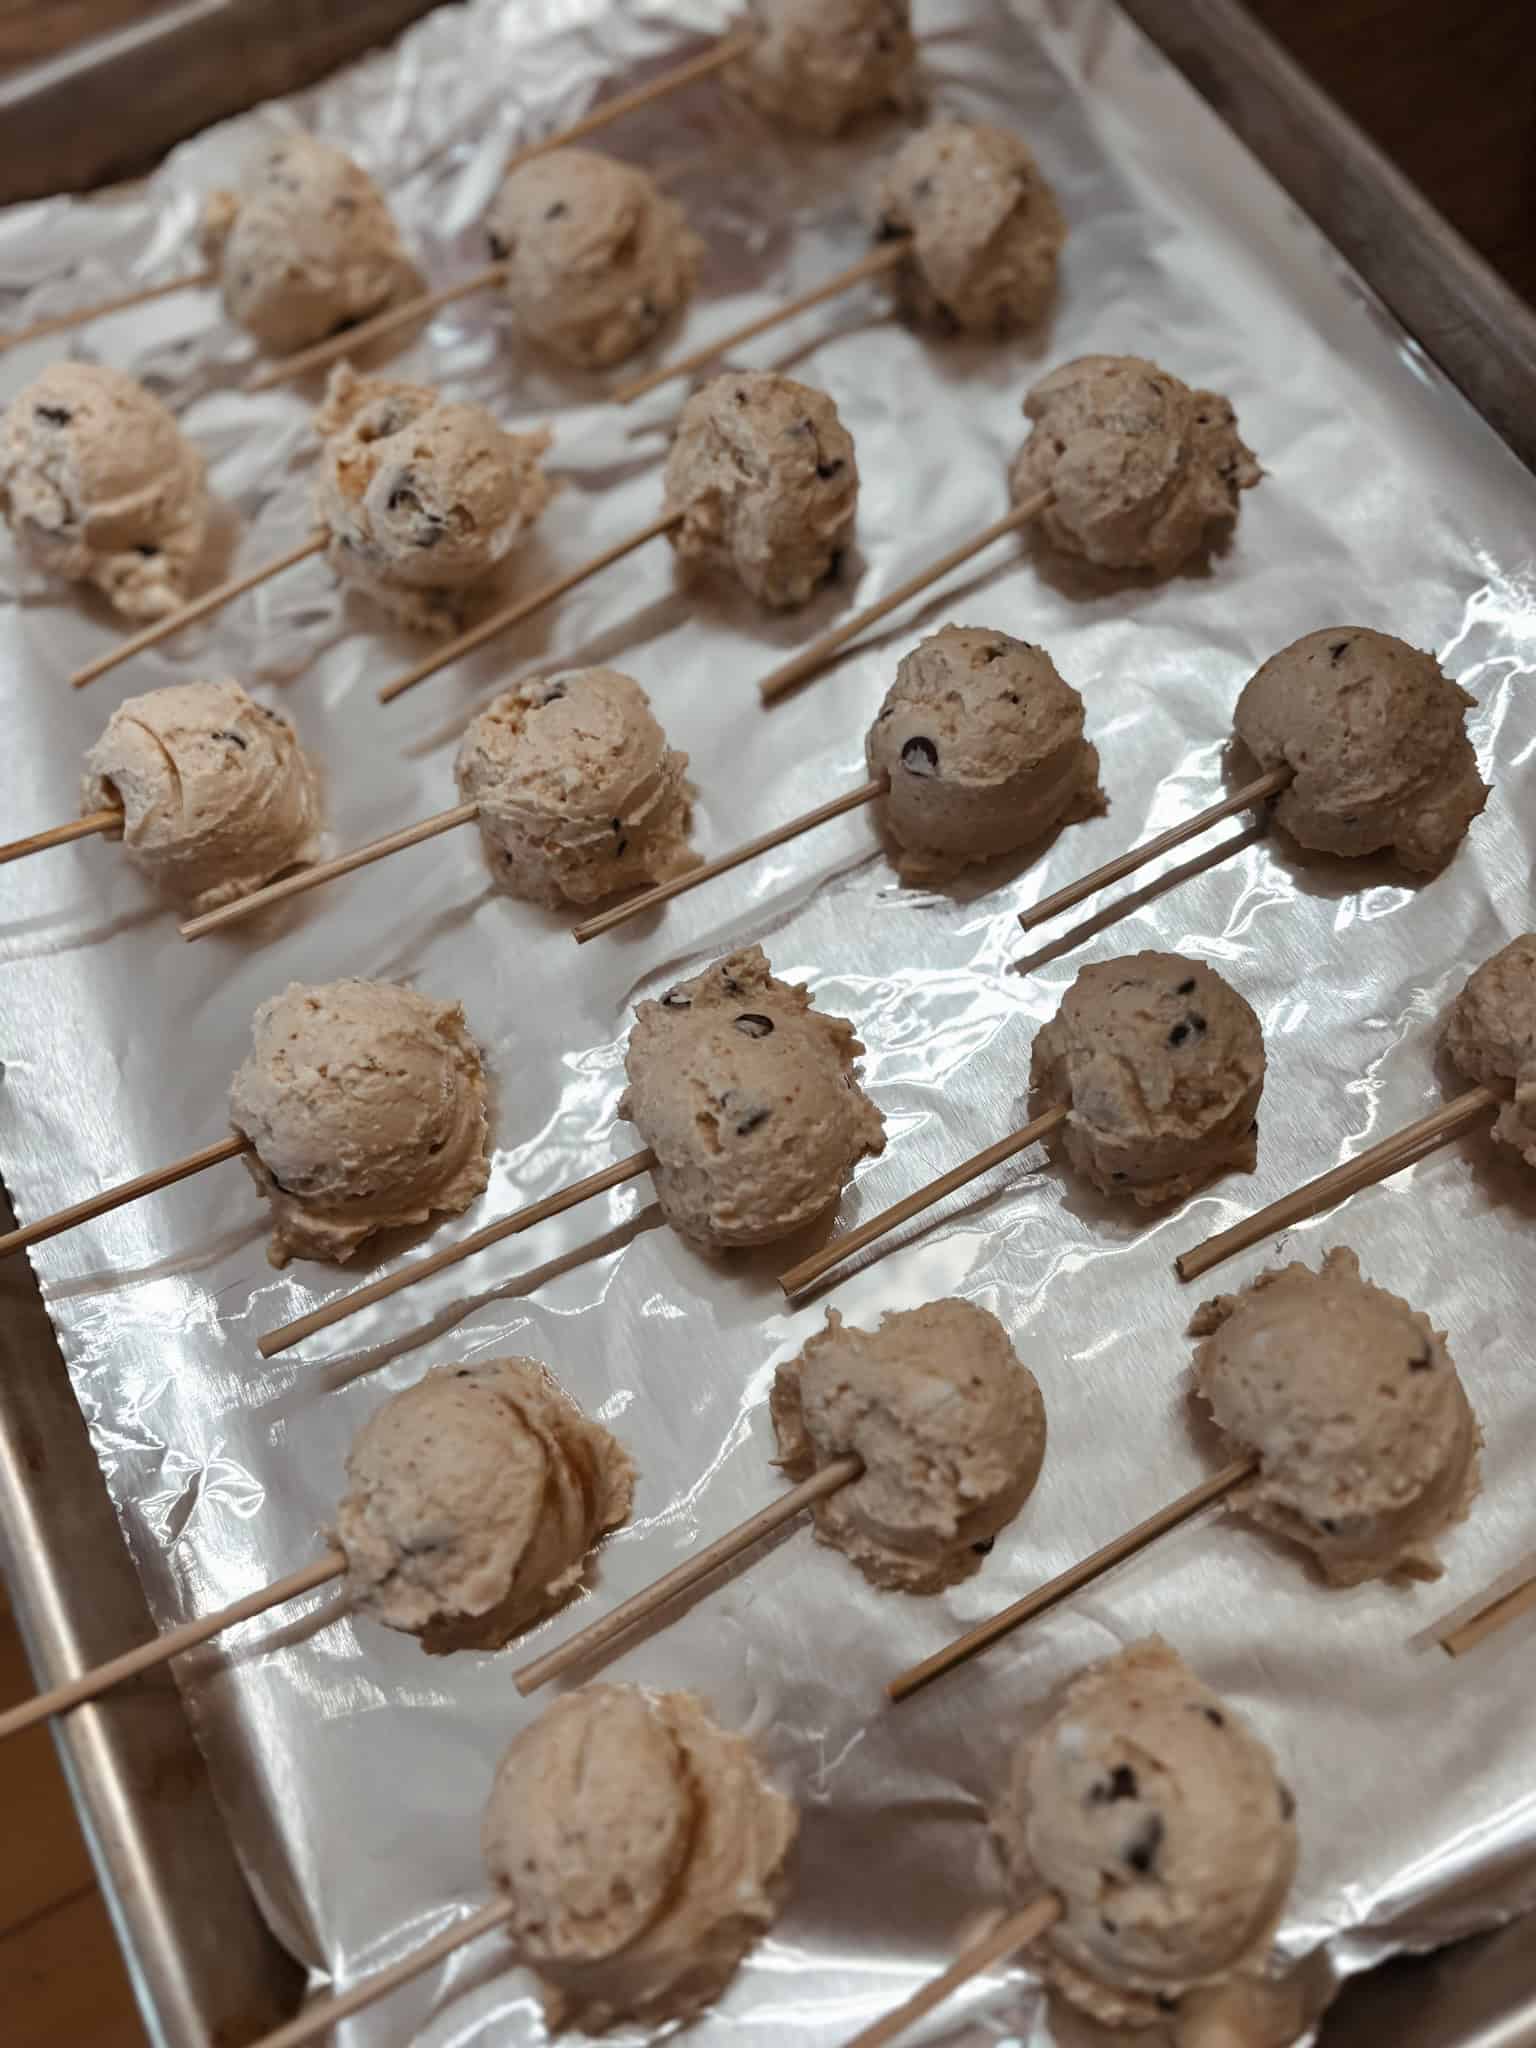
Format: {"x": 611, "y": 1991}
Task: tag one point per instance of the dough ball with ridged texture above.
{"x": 1491, "y": 1035}
{"x": 821, "y": 65}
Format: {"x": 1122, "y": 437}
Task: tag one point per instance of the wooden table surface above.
{"x": 1448, "y": 89}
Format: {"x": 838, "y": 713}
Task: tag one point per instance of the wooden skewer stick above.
{"x": 724, "y": 52}
{"x": 62, "y": 322}
{"x": 820, "y": 651}
{"x": 606, "y": 920}
{"x": 91, "y": 1684}
{"x": 1256, "y": 792}
{"x": 324, "y": 2013}
{"x": 126, "y": 1191}
{"x": 289, "y": 1334}
{"x": 350, "y": 339}
{"x": 1016, "y": 1932}
{"x": 1496, "y": 1615}
{"x": 1403, "y": 1148}
{"x": 885, "y": 258}
{"x": 60, "y": 835}
{"x": 640, "y": 1606}
{"x": 525, "y": 607}
{"x": 810, "y": 1270}
{"x": 1071, "y": 1581}
{"x": 327, "y": 871}
{"x": 199, "y": 608}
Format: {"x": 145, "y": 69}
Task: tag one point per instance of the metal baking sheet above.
{"x": 351, "y": 1768}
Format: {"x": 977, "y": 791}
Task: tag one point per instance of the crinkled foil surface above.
{"x": 353, "y": 1767}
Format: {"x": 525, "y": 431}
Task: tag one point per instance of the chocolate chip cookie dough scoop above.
{"x": 576, "y": 792}
{"x": 1349, "y": 1430}
{"x": 637, "y": 1853}
{"x": 418, "y": 503}
{"x": 1125, "y": 466}
{"x": 1146, "y": 1082}
{"x": 474, "y": 1500}
{"x": 978, "y": 751}
{"x": 1361, "y": 746}
{"x": 99, "y": 485}
{"x": 592, "y": 255}
{"x": 752, "y": 1114}
{"x": 914, "y": 1446}
{"x": 1490, "y": 1034}
{"x": 968, "y": 231}
{"x": 209, "y": 793}
{"x": 761, "y": 486}
{"x": 360, "y": 1108}
{"x": 1147, "y": 1828}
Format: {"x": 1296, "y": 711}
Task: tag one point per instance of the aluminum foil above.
{"x": 352, "y": 1767}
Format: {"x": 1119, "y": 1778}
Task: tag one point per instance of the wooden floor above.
{"x": 62, "y": 1983}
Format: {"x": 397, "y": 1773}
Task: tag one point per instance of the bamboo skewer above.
{"x": 324, "y": 2013}
{"x": 1256, "y": 792}
{"x": 60, "y": 835}
{"x": 640, "y": 1606}
{"x": 1071, "y": 1581}
{"x": 606, "y": 920}
{"x": 289, "y": 1334}
{"x": 126, "y": 1191}
{"x": 724, "y": 52}
{"x": 782, "y": 679}
{"x": 60, "y": 323}
{"x": 327, "y": 871}
{"x": 1403, "y": 1148}
{"x": 353, "y": 338}
{"x": 885, "y": 258}
{"x": 210, "y": 601}
{"x": 1488, "y": 1620}
{"x": 90, "y": 1685}
{"x": 525, "y": 607}
{"x": 1016, "y": 1932}
{"x": 810, "y": 1270}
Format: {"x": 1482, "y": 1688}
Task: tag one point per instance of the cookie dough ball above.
{"x": 950, "y": 1425}
{"x": 472, "y": 1501}
{"x": 1144, "y": 472}
{"x": 1491, "y": 1035}
{"x": 98, "y": 485}
{"x": 1161, "y": 1065}
{"x": 306, "y": 246}
{"x": 424, "y": 500}
{"x": 1366, "y": 1442}
{"x": 642, "y": 1852}
{"x": 598, "y": 259}
{"x": 216, "y": 794}
{"x": 983, "y": 744}
{"x": 365, "y": 1103}
{"x": 1376, "y": 737}
{"x": 748, "y": 1098}
{"x": 820, "y": 65}
{"x": 983, "y": 226}
{"x": 1157, "y": 1817}
{"x": 762, "y": 470}
{"x": 580, "y": 796}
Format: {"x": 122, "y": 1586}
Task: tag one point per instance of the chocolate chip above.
{"x": 1186, "y": 988}
{"x": 752, "y": 1025}
{"x": 1424, "y": 1358}
{"x": 890, "y": 230}
{"x": 1194, "y": 1024}
{"x": 1336, "y": 651}
{"x": 752, "y": 1120}
{"x": 1121, "y": 1174}
{"x": 1166, "y": 2002}
{"x": 1178, "y": 1034}
{"x": 1109, "y": 1926}
{"x": 674, "y": 999}
{"x": 146, "y": 548}
{"x": 1328, "y": 1525}
{"x": 233, "y": 738}
{"x": 555, "y": 212}
{"x": 402, "y": 495}
{"x": 1120, "y": 1784}
{"x": 1141, "y": 1850}
{"x": 1216, "y": 1718}
{"x": 730, "y": 984}
{"x": 621, "y": 849}
{"x": 499, "y": 249}
{"x": 53, "y": 415}
{"x": 825, "y": 470}
{"x": 553, "y": 694}
{"x": 989, "y": 654}
{"x": 920, "y": 757}
{"x": 986, "y": 1548}
{"x": 739, "y": 395}
{"x": 1287, "y": 1803}
{"x": 617, "y": 824}
{"x": 1010, "y": 696}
